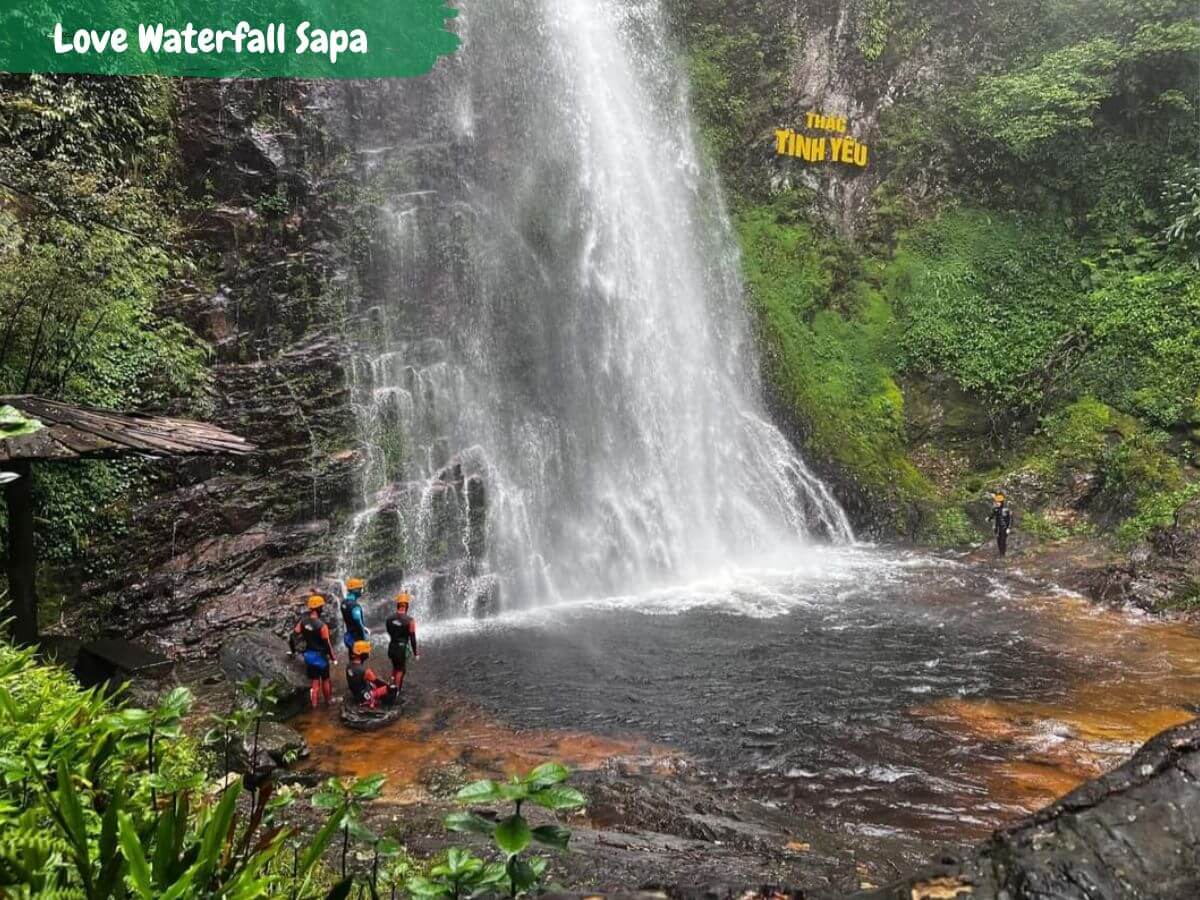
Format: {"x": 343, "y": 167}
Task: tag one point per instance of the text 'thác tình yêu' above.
{"x": 838, "y": 147}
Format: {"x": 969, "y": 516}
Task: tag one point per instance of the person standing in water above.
{"x": 352, "y": 613}
{"x": 318, "y": 650}
{"x": 402, "y": 633}
{"x": 1001, "y": 519}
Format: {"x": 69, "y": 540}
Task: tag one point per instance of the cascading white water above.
{"x": 563, "y": 314}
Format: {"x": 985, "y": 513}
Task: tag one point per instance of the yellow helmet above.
{"x": 316, "y": 601}
{"x": 361, "y": 648}
{"x": 402, "y": 599}
{"x": 999, "y": 498}
{"x": 355, "y": 584}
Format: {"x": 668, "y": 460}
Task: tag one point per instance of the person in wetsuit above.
{"x": 1001, "y": 519}
{"x": 366, "y": 688}
{"x": 313, "y": 635}
{"x": 352, "y": 613}
{"x": 402, "y": 634}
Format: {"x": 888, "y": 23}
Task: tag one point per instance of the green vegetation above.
{"x": 1029, "y": 254}
{"x": 101, "y": 800}
{"x": 952, "y": 528}
{"x": 513, "y": 834}
{"x": 87, "y": 220}
{"x": 825, "y": 346}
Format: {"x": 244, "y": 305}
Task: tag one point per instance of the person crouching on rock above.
{"x": 352, "y": 613}
{"x": 367, "y": 688}
{"x": 402, "y": 633}
{"x": 318, "y": 650}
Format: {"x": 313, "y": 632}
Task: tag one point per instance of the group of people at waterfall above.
{"x": 312, "y": 638}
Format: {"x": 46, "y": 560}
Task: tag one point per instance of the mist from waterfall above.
{"x": 562, "y": 397}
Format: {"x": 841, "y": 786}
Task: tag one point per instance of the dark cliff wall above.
{"x": 225, "y": 542}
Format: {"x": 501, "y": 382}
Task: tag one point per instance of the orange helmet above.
{"x": 402, "y": 599}
{"x": 361, "y": 648}
{"x": 316, "y": 601}
{"x": 355, "y": 584}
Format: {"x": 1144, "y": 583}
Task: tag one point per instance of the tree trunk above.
{"x": 21, "y": 562}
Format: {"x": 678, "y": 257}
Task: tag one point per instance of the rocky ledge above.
{"x": 1133, "y": 834}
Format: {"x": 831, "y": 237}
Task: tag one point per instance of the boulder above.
{"x": 1128, "y": 834}
{"x": 262, "y": 653}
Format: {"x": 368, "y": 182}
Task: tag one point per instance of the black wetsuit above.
{"x": 366, "y": 687}
{"x": 1002, "y": 518}
{"x": 356, "y": 679}
{"x": 402, "y": 632}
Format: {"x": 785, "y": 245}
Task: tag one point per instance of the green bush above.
{"x": 1155, "y": 510}
{"x": 951, "y": 527}
{"x": 1037, "y": 525}
{"x": 101, "y": 800}
{"x": 990, "y": 299}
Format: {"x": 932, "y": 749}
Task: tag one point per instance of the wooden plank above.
{"x": 39, "y": 445}
{"x": 72, "y": 430}
{"x": 82, "y": 442}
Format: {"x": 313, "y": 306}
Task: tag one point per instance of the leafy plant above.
{"x": 460, "y": 875}
{"x": 99, "y": 800}
{"x": 513, "y": 834}
{"x": 347, "y": 798}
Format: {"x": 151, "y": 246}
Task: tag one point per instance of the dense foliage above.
{"x": 1030, "y": 251}
{"x": 87, "y": 217}
{"x": 101, "y": 800}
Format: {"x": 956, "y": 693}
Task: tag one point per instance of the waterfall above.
{"x": 558, "y": 392}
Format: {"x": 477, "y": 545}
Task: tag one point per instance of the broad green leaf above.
{"x": 72, "y": 812}
{"x": 423, "y": 887}
{"x": 521, "y": 874}
{"x": 112, "y": 863}
{"x": 558, "y": 797}
{"x": 368, "y": 788}
{"x": 215, "y": 832}
{"x": 547, "y": 774}
{"x": 460, "y": 863}
{"x": 468, "y": 822}
{"x": 163, "y": 860}
{"x": 552, "y": 836}
{"x": 361, "y": 832}
{"x": 512, "y": 835}
{"x": 514, "y": 792}
{"x": 327, "y": 799}
{"x": 479, "y": 792}
{"x": 493, "y": 873}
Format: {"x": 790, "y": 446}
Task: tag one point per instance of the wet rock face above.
{"x": 224, "y": 544}
{"x": 1134, "y": 833}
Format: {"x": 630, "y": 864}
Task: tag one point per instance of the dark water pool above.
{"x": 880, "y": 691}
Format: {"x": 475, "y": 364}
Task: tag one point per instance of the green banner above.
{"x": 220, "y": 39}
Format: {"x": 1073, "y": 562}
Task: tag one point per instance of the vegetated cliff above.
{"x": 1004, "y": 296}
{"x": 268, "y": 228}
